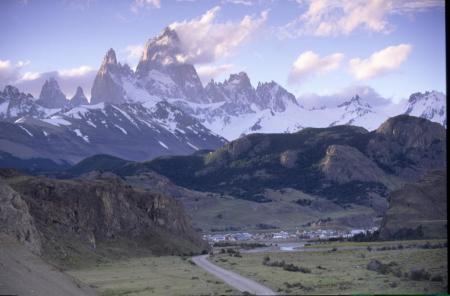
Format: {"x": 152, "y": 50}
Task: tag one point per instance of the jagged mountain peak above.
{"x": 15, "y": 104}
{"x": 51, "y": 95}
{"x": 163, "y": 71}
{"x": 356, "y": 100}
{"x": 11, "y": 92}
{"x": 108, "y": 84}
{"x": 429, "y": 105}
{"x": 274, "y": 96}
{"x": 110, "y": 57}
{"x": 239, "y": 78}
{"x": 161, "y": 50}
{"x": 427, "y": 95}
{"x": 79, "y": 98}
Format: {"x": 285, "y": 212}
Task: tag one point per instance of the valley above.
{"x": 329, "y": 268}
{"x": 179, "y": 166}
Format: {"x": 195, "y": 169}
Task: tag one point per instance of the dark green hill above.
{"x": 100, "y": 162}
{"x": 345, "y": 164}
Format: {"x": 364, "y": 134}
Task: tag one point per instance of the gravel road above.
{"x": 231, "y": 278}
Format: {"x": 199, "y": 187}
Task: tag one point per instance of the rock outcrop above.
{"x": 408, "y": 146}
{"x": 15, "y": 219}
{"x": 82, "y": 216}
{"x": 418, "y": 210}
{"x": 344, "y": 164}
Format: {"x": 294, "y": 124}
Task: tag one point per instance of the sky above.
{"x": 310, "y": 47}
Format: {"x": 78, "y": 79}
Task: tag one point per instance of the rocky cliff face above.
{"x": 408, "y": 146}
{"x": 418, "y": 210}
{"x": 15, "y": 218}
{"x": 85, "y": 214}
{"x": 344, "y": 164}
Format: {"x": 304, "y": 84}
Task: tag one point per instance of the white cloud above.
{"x": 9, "y": 72}
{"x": 311, "y": 100}
{"x": 30, "y": 76}
{"x": 309, "y": 63}
{"x": 133, "y": 54}
{"x": 75, "y": 72}
{"x": 342, "y": 17}
{"x": 243, "y": 2}
{"x": 205, "y": 40}
{"x": 140, "y": 4}
{"x": 208, "y": 72}
{"x": 380, "y": 62}
{"x": 31, "y": 82}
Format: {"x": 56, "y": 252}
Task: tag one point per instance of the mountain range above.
{"x": 162, "y": 108}
{"x": 343, "y": 172}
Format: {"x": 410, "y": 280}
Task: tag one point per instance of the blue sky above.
{"x": 322, "y": 46}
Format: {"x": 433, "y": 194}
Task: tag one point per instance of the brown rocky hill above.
{"x": 91, "y": 218}
{"x": 418, "y": 209}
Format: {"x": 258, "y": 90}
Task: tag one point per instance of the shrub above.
{"x": 437, "y": 278}
{"x": 382, "y": 268}
{"x": 419, "y": 274}
{"x": 287, "y": 267}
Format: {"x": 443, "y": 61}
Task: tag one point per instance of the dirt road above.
{"x": 233, "y": 279}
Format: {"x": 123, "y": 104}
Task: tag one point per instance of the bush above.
{"x": 366, "y": 237}
{"x": 437, "y": 278}
{"x": 392, "y": 267}
{"x": 294, "y": 285}
{"x": 419, "y": 275}
{"x": 287, "y": 267}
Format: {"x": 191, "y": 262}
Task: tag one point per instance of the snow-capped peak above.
{"x": 355, "y": 101}
{"x": 273, "y": 96}
{"x": 10, "y": 92}
{"x": 159, "y": 51}
{"x": 429, "y": 105}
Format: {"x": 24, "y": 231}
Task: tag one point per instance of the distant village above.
{"x": 320, "y": 234}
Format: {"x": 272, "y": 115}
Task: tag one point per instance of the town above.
{"x": 318, "y": 234}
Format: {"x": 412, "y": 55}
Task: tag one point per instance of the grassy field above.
{"x": 214, "y": 212}
{"x": 376, "y": 244}
{"x": 165, "y": 275}
{"x": 345, "y": 271}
